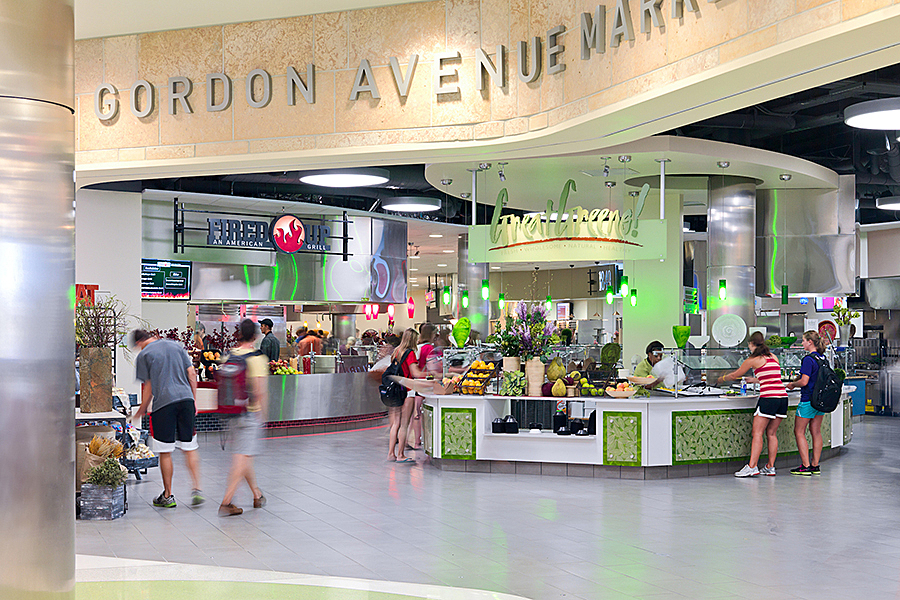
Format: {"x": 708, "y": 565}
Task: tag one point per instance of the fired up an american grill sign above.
{"x": 282, "y": 233}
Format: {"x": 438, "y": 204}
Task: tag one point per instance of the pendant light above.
{"x": 722, "y": 293}
{"x": 465, "y": 299}
{"x": 548, "y": 304}
{"x": 368, "y": 313}
{"x": 411, "y": 307}
{"x": 623, "y": 287}
{"x": 609, "y": 295}
{"x": 446, "y": 295}
{"x": 634, "y": 296}
{"x": 485, "y": 289}
{"x": 391, "y": 312}
{"x": 375, "y": 309}
{"x": 501, "y": 302}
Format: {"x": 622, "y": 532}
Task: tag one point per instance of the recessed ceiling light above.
{"x": 413, "y": 279}
{"x": 416, "y": 285}
{"x": 888, "y": 203}
{"x": 342, "y": 178}
{"x": 414, "y": 256}
{"x": 442, "y": 265}
{"x": 411, "y": 204}
{"x": 449, "y": 251}
{"x": 495, "y": 268}
{"x": 435, "y": 235}
{"x": 411, "y": 269}
{"x": 881, "y": 114}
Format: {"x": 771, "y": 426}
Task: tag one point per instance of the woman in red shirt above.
{"x": 426, "y": 337}
{"x": 771, "y": 407}
{"x": 398, "y": 417}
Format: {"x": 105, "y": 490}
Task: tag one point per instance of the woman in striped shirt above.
{"x": 772, "y": 405}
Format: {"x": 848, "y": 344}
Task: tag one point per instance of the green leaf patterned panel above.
{"x": 710, "y": 435}
{"x": 458, "y": 433}
{"x": 722, "y": 435}
{"x": 427, "y": 429}
{"x": 622, "y": 438}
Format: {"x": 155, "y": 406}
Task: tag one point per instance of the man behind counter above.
{"x": 645, "y": 367}
{"x": 269, "y": 345}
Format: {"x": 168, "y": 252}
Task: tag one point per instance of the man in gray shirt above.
{"x": 269, "y": 345}
{"x": 168, "y": 378}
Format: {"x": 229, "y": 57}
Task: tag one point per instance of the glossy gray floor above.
{"x": 337, "y": 508}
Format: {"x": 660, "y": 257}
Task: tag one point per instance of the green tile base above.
{"x": 622, "y": 438}
{"x": 458, "y": 433}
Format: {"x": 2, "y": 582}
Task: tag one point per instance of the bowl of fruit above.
{"x": 622, "y": 390}
{"x": 641, "y": 380}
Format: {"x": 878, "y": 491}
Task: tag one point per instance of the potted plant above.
{"x": 842, "y": 318}
{"x": 536, "y": 335}
{"x": 100, "y": 326}
{"x": 103, "y": 495}
{"x": 508, "y": 342}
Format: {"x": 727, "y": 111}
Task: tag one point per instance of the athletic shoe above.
{"x": 747, "y": 471}
{"x": 764, "y": 470}
{"x": 259, "y": 502}
{"x": 801, "y": 470}
{"x": 162, "y": 502}
{"x": 197, "y": 498}
{"x": 814, "y": 469}
{"x": 229, "y": 510}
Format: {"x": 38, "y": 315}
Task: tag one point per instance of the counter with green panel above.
{"x": 643, "y": 438}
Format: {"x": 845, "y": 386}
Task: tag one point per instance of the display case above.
{"x": 457, "y": 360}
{"x": 695, "y": 370}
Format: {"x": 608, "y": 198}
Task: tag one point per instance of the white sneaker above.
{"x": 764, "y": 470}
{"x": 747, "y": 471}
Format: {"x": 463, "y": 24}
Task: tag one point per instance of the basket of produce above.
{"x": 477, "y": 377}
{"x": 282, "y": 367}
{"x": 641, "y": 380}
{"x": 447, "y": 385}
{"x": 622, "y": 390}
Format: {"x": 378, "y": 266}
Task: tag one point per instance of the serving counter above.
{"x": 321, "y": 401}
{"x": 653, "y": 437}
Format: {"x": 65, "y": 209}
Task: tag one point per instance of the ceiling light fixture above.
{"x": 446, "y": 181}
{"x": 501, "y": 174}
{"x": 412, "y": 269}
{"x": 484, "y": 166}
{"x": 624, "y": 158}
{"x": 883, "y": 114}
{"x": 343, "y": 178}
{"x": 442, "y": 265}
{"x": 448, "y": 251}
{"x": 435, "y": 235}
{"x": 411, "y": 204}
{"x": 785, "y": 177}
{"x": 465, "y": 195}
{"x": 605, "y": 165}
{"x": 888, "y": 203}
{"x": 723, "y": 164}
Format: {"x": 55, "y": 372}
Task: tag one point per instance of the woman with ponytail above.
{"x": 771, "y": 407}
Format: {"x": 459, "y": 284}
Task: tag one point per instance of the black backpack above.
{"x": 231, "y": 380}
{"x": 826, "y": 393}
{"x": 392, "y": 393}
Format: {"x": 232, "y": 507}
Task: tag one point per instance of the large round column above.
{"x": 469, "y": 278}
{"x": 37, "y": 446}
{"x": 731, "y": 248}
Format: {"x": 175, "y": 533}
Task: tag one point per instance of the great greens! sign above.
{"x": 578, "y": 233}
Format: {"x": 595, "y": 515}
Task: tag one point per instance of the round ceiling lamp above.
{"x": 345, "y": 178}
{"x": 411, "y": 204}
{"x": 888, "y": 203}
{"x": 883, "y": 114}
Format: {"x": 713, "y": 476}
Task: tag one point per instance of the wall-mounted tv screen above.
{"x": 165, "y": 279}
{"x": 824, "y": 304}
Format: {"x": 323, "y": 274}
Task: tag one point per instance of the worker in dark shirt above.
{"x": 269, "y": 345}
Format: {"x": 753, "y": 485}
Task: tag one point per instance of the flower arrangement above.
{"x": 506, "y": 339}
{"x": 535, "y": 334}
{"x": 843, "y": 315}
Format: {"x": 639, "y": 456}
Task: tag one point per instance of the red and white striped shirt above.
{"x": 769, "y": 376}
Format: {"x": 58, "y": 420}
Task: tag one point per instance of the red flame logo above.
{"x": 288, "y": 234}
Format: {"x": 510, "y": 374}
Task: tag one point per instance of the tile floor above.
{"x": 337, "y": 509}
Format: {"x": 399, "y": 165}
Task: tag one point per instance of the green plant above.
{"x": 103, "y": 322}
{"x": 566, "y": 336}
{"x": 109, "y": 473}
{"x": 505, "y": 339}
{"x": 843, "y": 315}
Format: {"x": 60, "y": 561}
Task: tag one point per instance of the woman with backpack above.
{"x": 399, "y": 415}
{"x": 771, "y": 407}
{"x": 807, "y": 416}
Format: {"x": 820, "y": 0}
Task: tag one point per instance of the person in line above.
{"x": 246, "y": 427}
{"x": 398, "y": 416}
{"x": 347, "y": 348}
{"x": 807, "y": 416}
{"x": 425, "y": 348}
{"x": 645, "y": 367}
{"x": 169, "y": 380}
{"x": 771, "y": 407}
{"x": 269, "y": 344}
{"x": 310, "y": 343}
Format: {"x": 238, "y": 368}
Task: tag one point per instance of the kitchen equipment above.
{"x": 563, "y": 431}
{"x": 582, "y": 433}
{"x": 510, "y": 424}
{"x": 576, "y": 425}
{"x": 498, "y": 426}
{"x": 535, "y": 425}
{"x": 559, "y": 420}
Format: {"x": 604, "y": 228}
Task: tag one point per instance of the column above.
{"x": 469, "y": 277}
{"x": 37, "y": 446}
{"x": 731, "y": 248}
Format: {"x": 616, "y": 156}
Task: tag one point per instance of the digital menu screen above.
{"x": 165, "y": 279}
{"x": 824, "y": 304}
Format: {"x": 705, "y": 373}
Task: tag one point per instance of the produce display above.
{"x": 622, "y": 390}
{"x": 282, "y": 367}
{"x": 211, "y": 355}
{"x": 513, "y": 383}
{"x": 773, "y": 341}
{"x": 447, "y": 385}
{"x": 477, "y": 377}
{"x": 556, "y": 369}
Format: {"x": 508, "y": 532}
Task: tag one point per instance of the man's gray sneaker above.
{"x": 764, "y": 470}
